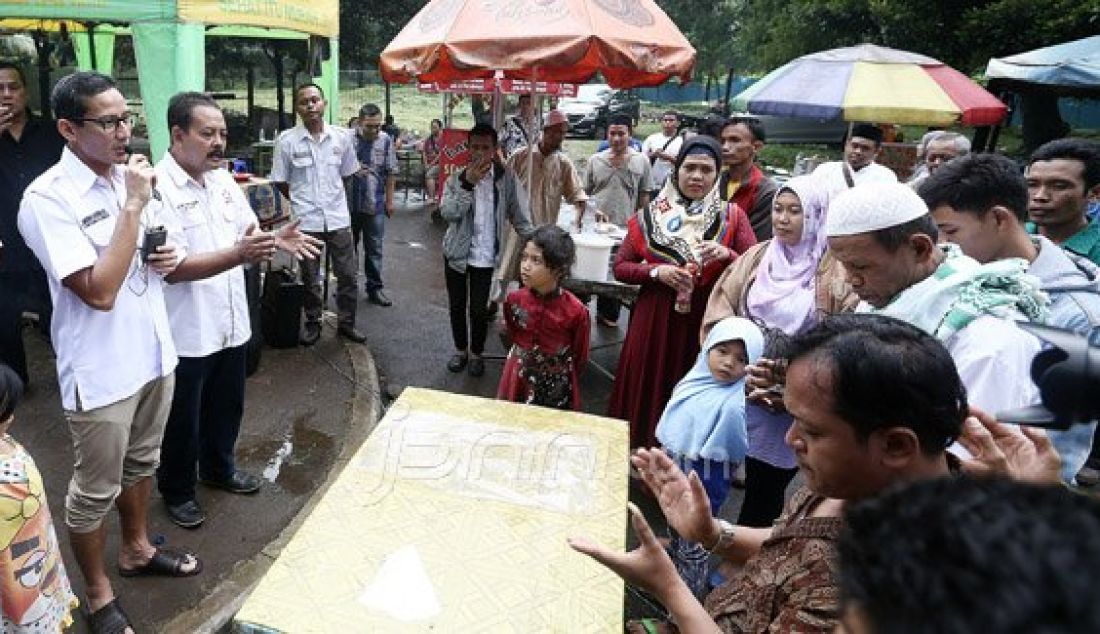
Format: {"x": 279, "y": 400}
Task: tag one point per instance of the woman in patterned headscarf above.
{"x": 680, "y": 244}
{"x": 784, "y": 285}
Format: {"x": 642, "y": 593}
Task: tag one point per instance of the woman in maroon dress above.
{"x": 678, "y": 246}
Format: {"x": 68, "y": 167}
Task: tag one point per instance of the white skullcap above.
{"x": 873, "y": 206}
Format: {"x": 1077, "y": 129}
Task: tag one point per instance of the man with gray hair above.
{"x": 939, "y": 148}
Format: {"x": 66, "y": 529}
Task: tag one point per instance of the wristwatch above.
{"x": 653, "y": 272}
{"x": 725, "y": 536}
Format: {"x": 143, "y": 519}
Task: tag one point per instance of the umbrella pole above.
{"x": 531, "y": 150}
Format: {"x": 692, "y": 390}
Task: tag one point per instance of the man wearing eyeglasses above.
{"x": 85, "y": 219}
{"x": 310, "y": 164}
{"x": 28, "y": 146}
{"x": 661, "y": 148}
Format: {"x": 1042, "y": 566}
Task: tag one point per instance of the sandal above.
{"x": 109, "y": 619}
{"x": 165, "y": 563}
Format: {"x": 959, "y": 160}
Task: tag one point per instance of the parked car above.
{"x": 789, "y": 130}
{"x": 594, "y": 104}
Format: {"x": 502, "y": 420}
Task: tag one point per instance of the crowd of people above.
{"x": 839, "y": 324}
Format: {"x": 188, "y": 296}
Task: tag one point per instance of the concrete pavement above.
{"x": 306, "y": 410}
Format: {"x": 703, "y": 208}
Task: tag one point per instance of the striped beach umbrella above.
{"x": 872, "y": 83}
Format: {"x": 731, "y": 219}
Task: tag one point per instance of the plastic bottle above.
{"x": 588, "y": 220}
{"x": 683, "y": 298}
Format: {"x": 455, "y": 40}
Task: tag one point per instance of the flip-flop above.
{"x": 164, "y": 563}
{"x": 109, "y": 619}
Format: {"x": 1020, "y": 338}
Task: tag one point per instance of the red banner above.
{"x": 453, "y": 155}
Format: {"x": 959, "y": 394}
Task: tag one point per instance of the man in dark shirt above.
{"x": 29, "y": 145}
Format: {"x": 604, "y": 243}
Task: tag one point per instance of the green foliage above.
{"x": 367, "y": 26}
{"x": 962, "y": 33}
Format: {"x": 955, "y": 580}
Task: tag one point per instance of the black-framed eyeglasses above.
{"x": 110, "y": 124}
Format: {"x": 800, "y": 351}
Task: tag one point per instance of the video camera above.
{"x": 1067, "y": 373}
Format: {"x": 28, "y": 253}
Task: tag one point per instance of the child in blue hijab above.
{"x": 703, "y": 425}
{"x": 703, "y": 428}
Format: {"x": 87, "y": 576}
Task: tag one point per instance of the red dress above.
{"x": 661, "y": 344}
{"x": 550, "y": 338}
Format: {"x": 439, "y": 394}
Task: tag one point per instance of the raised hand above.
{"x": 302, "y": 246}
{"x": 1022, "y": 453}
{"x": 682, "y": 497}
{"x": 255, "y": 246}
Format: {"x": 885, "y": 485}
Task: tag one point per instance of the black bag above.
{"x": 282, "y": 308}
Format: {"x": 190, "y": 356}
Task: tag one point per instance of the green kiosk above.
{"x": 169, "y": 39}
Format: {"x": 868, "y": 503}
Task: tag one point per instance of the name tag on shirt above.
{"x": 93, "y": 218}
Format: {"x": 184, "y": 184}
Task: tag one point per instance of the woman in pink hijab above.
{"x": 784, "y": 285}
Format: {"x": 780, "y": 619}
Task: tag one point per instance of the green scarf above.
{"x": 961, "y": 290}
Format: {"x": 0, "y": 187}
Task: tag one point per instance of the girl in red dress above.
{"x": 548, "y": 326}
{"x": 674, "y": 250}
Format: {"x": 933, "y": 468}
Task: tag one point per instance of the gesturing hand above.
{"x": 648, "y": 566}
{"x": 682, "y": 497}
{"x": 255, "y": 246}
{"x": 1022, "y": 453}
{"x": 301, "y": 245}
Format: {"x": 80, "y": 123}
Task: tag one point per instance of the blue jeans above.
{"x": 1074, "y": 445}
{"x": 203, "y": 424}
{"x": 373, "y": 230}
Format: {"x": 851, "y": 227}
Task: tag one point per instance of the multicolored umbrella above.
{"x": 872, "y": 83}
{"x": 631, "y": 42}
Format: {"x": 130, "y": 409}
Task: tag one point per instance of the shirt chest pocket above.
{"x": 192, "y": 217}
{"x": 99, "y": 234}
{"x": 302, "y": 161}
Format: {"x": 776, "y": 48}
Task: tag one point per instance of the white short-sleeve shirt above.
{"x": 658, "y": 142}
{"x": 831, "y": 175}
{"x": 210, "y": 314}
{"x": 315, "y": 171}
{"x": 67, "y": 218}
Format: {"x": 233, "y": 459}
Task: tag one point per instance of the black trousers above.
{"x": 765, "y": 487}
{"x": 20, "y": 291}
{"x": 203, "y": 424}
{"x": 469, "y": 291}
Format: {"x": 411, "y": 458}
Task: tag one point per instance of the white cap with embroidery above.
{"x": 873, "y": 206}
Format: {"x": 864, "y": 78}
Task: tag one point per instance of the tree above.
{"x": 961, "y": 33}
{"x": 367, "y": 26}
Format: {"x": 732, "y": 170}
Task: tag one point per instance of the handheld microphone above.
{"x": 129, "y": 153}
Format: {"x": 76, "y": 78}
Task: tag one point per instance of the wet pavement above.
{"x": 298, "y": 417}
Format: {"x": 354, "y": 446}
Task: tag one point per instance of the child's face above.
{"x": 727, "y": 361}
{"x": 533, "y": 271}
